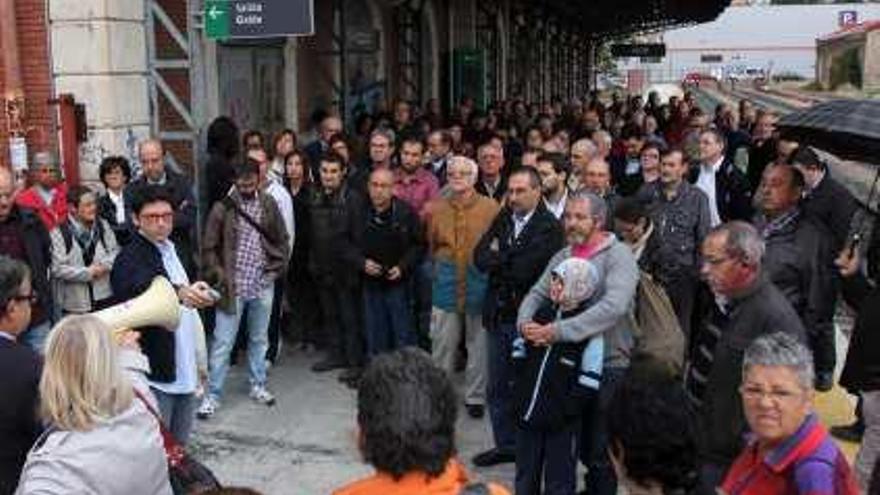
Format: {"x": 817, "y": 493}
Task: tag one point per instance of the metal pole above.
{"x": 339, "y": 36}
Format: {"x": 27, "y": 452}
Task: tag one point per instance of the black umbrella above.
{"x": 849, "y": 129}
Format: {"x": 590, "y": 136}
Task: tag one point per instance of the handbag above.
{"x": 187, "y": 475}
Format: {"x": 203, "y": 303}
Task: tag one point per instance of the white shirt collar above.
{"x": 526, "y": 217}
{"x": 821, "y": 178}
{"x": 559, "y": 207}
{"x": 714, "y": 166}
{"x": 520, "y": 224}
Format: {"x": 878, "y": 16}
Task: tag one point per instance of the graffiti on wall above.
{"x": 93, "y": 151}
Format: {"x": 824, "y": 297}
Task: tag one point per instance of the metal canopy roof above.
{"x": 611, "y": 18}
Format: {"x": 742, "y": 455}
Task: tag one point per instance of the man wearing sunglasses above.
{"x": 20, "y": 368}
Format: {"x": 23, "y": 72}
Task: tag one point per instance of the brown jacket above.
{"x": 220, "y": 243}
{"x": 454, "y": 229}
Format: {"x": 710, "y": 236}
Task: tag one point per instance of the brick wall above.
{"x": 33, "y": 56}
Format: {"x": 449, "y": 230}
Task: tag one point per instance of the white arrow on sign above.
{"x": 214, "y": 13}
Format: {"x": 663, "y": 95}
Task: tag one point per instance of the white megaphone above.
{"x": 158, "y": 306}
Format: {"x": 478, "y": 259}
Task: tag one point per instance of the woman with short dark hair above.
{"x": 83, "y": 251}
{"x": 788, "y": 451}
{"x": 115, "y": 173}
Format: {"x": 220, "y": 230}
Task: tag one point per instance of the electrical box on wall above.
{"x": 469, "y": 76}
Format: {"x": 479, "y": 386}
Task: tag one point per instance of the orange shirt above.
{"x": 450, "y": 482}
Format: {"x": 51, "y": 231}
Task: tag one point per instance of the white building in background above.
{"x": 778, "y": 39}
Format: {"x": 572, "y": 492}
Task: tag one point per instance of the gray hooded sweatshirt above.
{"x": 608, "y": 315}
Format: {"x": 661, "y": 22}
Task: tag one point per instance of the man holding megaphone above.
{"x": 178, "y": 362}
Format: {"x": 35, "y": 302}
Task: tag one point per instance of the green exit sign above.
{"x": 258, "y": 18}
{"x": 217, "y": 19}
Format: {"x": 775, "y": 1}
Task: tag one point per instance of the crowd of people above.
{"x": 637, "y": 286}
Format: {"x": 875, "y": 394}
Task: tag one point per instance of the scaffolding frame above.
{"x": 408, "y": 22}
{"x": 489, "y": 41}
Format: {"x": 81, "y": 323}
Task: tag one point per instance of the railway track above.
{"x": 858, "y": 177}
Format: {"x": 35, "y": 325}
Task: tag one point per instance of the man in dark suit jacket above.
{"x": 826, "y": 201}
{"x": 727, "y": 187}
{"x": 20, "y": 368}
{"x": 513, "y": 252}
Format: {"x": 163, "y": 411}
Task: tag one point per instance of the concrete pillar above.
{"x": 871, "y": 70}
{"x": 99, "y": 55}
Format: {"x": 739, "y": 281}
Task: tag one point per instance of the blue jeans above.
{"x": 499, "y": 388}
{"x": 225, "y": 331}
{"x": 177, "y": 411}
{"x": 35, "y": 337}
{"x": 387, "y": 318}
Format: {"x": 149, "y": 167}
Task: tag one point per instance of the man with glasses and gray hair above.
{"x": 454, "y": 227}
{"x": 746, "y": 306}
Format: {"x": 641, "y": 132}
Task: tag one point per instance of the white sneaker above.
{"x": 261, "y": 394}
{"x": 208, "y": 407}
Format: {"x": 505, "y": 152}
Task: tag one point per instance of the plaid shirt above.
{"x": 250, "y": 260}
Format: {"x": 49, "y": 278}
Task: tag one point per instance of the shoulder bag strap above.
{"x": 230, "y": 203}
{"x": 173, "y": 450}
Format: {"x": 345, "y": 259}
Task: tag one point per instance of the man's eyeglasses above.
{"x": 30, "y": 298}
{"x": 459, "y": 175}
{"x": 155, "y": 217}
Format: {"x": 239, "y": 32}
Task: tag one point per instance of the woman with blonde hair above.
{"x": 101, "y": 438}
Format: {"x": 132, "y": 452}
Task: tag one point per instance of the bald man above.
{"x": 386, "y": 244}
{"x": 329, "y": 126}
{"x": 597, "y": 180}
{"x": 153, "y": 171}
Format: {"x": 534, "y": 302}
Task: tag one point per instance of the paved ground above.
{"x": 305, "y": 445}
